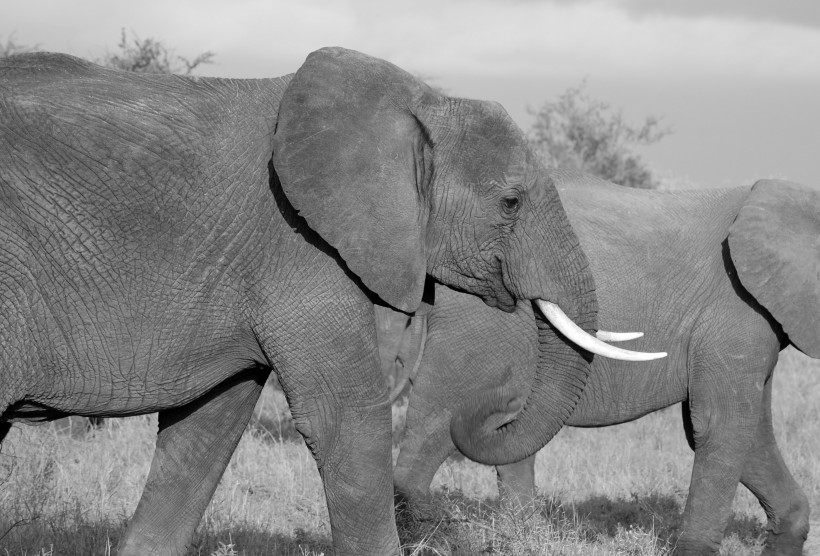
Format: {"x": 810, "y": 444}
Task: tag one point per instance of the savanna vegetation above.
{"x": 616, "y": 490}
{"x": 66, "y": 489}
{"x": 150, "y": 55}
{"x": 579, "y": 132}
{"x": 132, "y": 53}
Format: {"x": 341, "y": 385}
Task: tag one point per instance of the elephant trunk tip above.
{"x": 477, "y": 429}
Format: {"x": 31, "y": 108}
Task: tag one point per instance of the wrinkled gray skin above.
{"x": 167, "y": 242}
{"x": 721, "y": 279}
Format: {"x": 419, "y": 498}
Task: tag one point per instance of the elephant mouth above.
{"x": 502, "y": 298}
{"x": 497, "y": 292}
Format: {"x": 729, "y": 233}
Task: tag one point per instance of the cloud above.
{"x": 604, "y": 39}
{"x": 798, "y": 12}
{"x": 491, "y": 38}
{"x": 495, "y": 39}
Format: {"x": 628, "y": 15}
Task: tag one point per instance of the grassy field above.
{"x": 617, "y": 490}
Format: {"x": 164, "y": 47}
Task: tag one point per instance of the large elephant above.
{"x": 168, "y": 241}
{"x": 723, "y": 279}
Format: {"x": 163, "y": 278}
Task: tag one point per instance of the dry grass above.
{"x": 618, "y": 490}
{"x": 622, "y": 483}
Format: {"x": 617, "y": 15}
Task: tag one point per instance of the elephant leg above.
{"x": 720, "y": 419}
{"x": 425, "y": 446}
{"x": 194, "y": 445}
{"x": 766, "y": 475}
{"x": 330, "y": 374}
{"x": 516, "y": 483}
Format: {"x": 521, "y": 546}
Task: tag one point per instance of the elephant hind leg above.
{"x": 194, "y": 445}
{"x": 767, "y": 476}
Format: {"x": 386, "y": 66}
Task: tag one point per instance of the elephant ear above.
{"x": 775, "y": 247}
{"x": 354, "y": 159}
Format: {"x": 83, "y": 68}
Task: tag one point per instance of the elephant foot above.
{"x": 422, "y": 518}
{"x": 694, "y": 551}
{"x": 690, "y": 546}
{"x": 418, "y": 507}
{"x": 788, "y": 531}
{"x": 786, "y": 543}
{"x": 783, "y": 547}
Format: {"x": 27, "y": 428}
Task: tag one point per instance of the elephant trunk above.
{"x": 496, "y": 427}
{"x": 547, "y": 267}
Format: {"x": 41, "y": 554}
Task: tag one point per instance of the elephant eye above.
{"x": 510, "y": 205}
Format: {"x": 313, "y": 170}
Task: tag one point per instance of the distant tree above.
{"x": 581, "y": 133}
{"x": 150, "y": 56}
{"x": 10, "y": 46}
{"x": 431, "y": 82}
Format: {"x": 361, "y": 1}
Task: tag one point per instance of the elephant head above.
{"x": 405, "y": 182}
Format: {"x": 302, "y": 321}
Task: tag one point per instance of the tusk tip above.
{"x": 607, "y": 336}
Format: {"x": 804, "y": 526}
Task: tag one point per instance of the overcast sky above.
{"x": 739, "y": 80}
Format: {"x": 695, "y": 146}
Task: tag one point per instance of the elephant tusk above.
{"x": 607, "y": 336}
{"x": 575, "y": 334}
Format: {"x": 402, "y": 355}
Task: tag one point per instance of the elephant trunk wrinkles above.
{"x": 562, "y": 368}
{"x": 560, "y": 376}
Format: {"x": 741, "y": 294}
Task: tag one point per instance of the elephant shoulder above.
{"x": 775, "y": 248}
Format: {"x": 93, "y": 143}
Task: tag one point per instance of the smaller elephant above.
{"x": 723, "y": 279}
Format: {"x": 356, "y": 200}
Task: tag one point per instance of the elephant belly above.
{"x": 618, "y": 392}
{"x": 114, "y": 377}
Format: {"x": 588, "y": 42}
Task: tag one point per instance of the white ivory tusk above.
{"x": 575, "y": 334}
{"x": 607, "y": 336}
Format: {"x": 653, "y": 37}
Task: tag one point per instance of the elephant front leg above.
{"x": 194, "y": 445}
{"x": 353, "y": 454}
{"x": 330, "y": 374}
